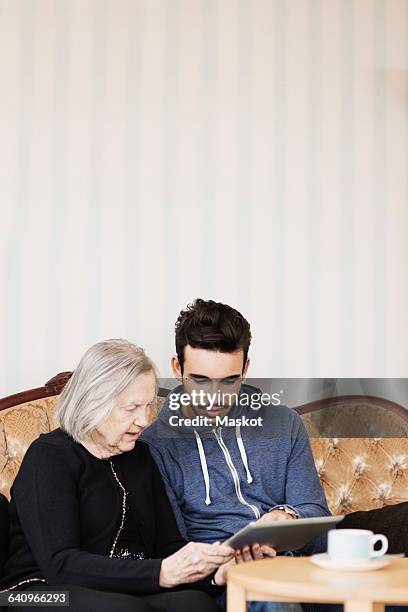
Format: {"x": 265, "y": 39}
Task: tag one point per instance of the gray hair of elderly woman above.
{"x": 105, "y": 370}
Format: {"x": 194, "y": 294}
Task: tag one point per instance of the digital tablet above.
{"x": 284, "y": 535}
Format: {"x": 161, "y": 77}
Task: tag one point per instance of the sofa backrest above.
{"x": 19, "y": 426}
{"x": 357, "y": 473}
{"x": 360, "y": 447}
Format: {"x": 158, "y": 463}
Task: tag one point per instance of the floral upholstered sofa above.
{"x": 359, "y": 470}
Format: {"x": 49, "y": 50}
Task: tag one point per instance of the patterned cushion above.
{"x": 362, "y": 473}
{"x": 355, "y": 417}
{"x": 19, "y": 426}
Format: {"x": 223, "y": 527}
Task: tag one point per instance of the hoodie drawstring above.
{"x": 204, "y": 468}
{"x": 243, "y": 453}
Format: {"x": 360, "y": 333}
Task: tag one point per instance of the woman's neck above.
{"x": 96, "y": 448}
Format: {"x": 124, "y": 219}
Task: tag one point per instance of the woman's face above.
{"x": 130, "y": 415}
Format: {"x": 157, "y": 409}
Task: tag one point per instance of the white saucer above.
{"x": 348, "y": 565}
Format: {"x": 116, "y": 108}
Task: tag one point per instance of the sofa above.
{"x": 359, "y": 443}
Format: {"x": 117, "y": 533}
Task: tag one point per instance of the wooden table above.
{"x": 296, "y": 579}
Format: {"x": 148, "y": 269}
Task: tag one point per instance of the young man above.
{"x": 226, "y": 459}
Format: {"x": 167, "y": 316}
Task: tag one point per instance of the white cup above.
{"x": 355, "y": 544}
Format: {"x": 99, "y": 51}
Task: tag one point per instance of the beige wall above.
{"x": 255, "y": 152}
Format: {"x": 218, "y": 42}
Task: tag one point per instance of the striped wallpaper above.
{"x": 250, "y": 151}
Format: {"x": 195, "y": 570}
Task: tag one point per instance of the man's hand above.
{"x": 253, "y": 553}
{"x": 275, "y": 515}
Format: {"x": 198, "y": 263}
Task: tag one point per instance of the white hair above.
{"x": 105, "y": 370}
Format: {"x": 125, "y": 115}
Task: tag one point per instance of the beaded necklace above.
{"x": 124, "y": 499}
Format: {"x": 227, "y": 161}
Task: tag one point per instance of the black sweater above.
{"x": 66, "y": 511}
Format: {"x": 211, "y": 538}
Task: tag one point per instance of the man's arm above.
{"x": 168, "y": 469}
{"x": 304, "y": 495}
{"x": 303, "y": 491}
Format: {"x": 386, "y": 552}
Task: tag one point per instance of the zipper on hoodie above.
{"x": 234, "y": 473}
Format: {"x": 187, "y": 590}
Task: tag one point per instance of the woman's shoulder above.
{"x": 54, "y": 445}
{"x": 56, "y": 438}
{"x": 138, "y": 460}
{"x": 50, "y": 458}
{"x": 139, "y": 454}
{"x": 142, "y": 448}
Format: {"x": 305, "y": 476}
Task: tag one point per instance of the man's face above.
{"x": 215, "y": 378}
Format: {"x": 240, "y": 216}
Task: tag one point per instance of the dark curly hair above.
{"x": 211, "y": 325}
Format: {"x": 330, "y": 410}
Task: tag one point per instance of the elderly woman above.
{"x": 89, "y": 513}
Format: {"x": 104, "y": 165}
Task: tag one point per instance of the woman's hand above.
{"x": 253, "y": 553}
{"x": 193, "y": 562}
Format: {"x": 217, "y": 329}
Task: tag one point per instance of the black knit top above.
{"x": 72, "y": 515}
